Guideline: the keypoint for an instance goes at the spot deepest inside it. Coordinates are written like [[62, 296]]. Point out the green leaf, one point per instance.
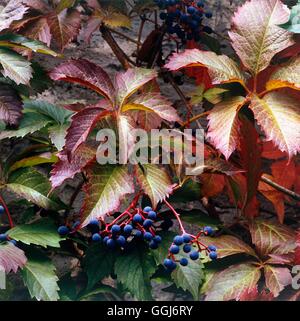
[[100, 290], [67, 287], [199, 218], [57, 135], [189, 191], [33, 186], [30, 123], [39, 276], [189, 277], [134, 270], [56, 113], [15, 66], [98, 264], [214, 95], [197, 95], [162, 252], [12, 40], [42, 232], [33, 161]]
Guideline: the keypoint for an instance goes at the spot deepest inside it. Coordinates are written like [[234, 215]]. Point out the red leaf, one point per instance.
[[82, 124], [254, 295], [64, 26], [64, 168], [213, 184], [285, 175], [271, 152], [87, 74], [250, 149], [262, 79], [200, 74], [11, 258]]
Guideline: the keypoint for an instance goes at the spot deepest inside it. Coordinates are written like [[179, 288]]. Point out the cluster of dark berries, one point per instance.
[[137, 224], [190, 245], [184, 18]]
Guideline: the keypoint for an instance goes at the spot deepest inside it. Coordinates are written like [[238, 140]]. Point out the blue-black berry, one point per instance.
[[115, 229], [178, 240], [184, 261], [194, 255], [147, 209], [94, 222], [1, 209], [152, 215], [138, 234], [63, 230], [174, 249], [137, 218], [106, 238], [213, 255], [191, 10], [212, 248], [96, 237], [147, 223], [157, 239], [128, 229], [208, 230], [121, 240], [3, 237], [148, 236], [187, 248], [111, 243], [186, 238]]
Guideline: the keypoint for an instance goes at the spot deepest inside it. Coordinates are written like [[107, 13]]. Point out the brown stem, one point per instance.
[[280, 188], [117, 50], [124, 36]]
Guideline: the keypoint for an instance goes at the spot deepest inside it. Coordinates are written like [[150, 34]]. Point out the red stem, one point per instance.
[[11, 223], [176, 215]]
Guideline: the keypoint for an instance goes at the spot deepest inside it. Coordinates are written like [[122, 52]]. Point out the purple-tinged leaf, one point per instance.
[[64, 168], [87, 74], [10, 105], [11, 258], [107, 185]]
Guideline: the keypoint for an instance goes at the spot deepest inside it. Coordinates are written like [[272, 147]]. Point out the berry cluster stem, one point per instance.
[[177, 215]]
